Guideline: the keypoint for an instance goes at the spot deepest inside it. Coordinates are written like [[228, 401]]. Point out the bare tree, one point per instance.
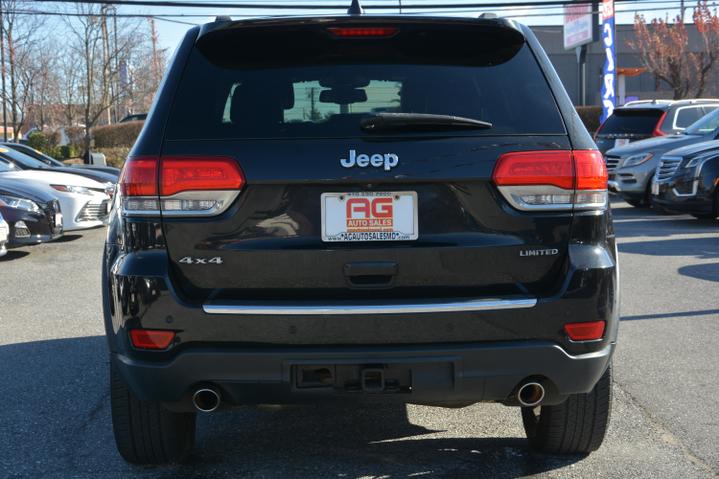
[[665, 51], [98, 59], [20, 38], [68, 95], [45, 90]]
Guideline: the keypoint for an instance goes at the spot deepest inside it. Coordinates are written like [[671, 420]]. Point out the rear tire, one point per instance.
[[577, 426], [635, 203], [715, 210], [146, 432]]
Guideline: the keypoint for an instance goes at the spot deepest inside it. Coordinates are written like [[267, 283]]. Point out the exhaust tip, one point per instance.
[[206, 400], [530, 394]]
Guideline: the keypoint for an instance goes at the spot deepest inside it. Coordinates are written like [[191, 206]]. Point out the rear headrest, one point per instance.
[[265, 100]]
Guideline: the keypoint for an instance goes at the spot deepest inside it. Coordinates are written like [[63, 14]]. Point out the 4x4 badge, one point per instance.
[[386, 160], [191, 260]]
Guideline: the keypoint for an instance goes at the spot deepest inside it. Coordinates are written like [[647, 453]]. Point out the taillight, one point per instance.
[[552, 179], [362, 32], [199, 174], [587, 331], [180, 186], [139, 177], [657, 129], [535, 168], [151, 338]]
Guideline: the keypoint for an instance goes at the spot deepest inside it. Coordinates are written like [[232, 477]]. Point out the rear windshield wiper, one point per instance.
[[420, 122]]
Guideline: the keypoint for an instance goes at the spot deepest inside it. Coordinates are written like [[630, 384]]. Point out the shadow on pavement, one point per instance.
[[679, 314], [58, 422], [67, 238], [703, 248], [708, 272], [13, 255]]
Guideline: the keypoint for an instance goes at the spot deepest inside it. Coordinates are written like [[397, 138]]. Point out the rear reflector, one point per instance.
[[552, 179], [354, 32], [590, 331], [151, 338]]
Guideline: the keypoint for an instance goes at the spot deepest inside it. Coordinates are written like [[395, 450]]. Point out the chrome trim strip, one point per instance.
[[695, 189], [256, 308]]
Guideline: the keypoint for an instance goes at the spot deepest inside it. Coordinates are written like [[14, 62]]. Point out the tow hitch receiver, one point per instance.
[[373, 380], [353, 378]]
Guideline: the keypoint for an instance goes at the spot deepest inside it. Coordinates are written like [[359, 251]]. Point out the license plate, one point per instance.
[[621, 142], [58, 219], [369, 216], [655, 188]]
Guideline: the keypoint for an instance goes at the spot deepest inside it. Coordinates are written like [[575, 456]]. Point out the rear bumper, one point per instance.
[[442, 375], [468, 349]]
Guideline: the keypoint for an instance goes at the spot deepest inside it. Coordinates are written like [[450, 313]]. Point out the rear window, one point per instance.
[[707, 124], [221, 99], [632, 122], [687, 115]]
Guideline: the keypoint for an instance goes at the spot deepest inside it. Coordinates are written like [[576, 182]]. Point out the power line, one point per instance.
[[629, 6], [275, 6]]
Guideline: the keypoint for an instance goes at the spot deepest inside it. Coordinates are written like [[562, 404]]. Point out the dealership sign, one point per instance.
[[578, 28], [609, 71]]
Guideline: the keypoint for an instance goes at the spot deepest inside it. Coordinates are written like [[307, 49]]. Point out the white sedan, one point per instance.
[[4, 233], [85, 203]]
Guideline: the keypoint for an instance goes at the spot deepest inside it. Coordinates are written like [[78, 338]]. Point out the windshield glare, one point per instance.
[[22, 159], [704, 125], [6, 166]]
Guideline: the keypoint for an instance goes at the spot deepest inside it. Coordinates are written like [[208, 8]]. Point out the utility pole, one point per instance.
[[682, 9], [155, 59], [118, 91], [105, 61], [2, 71]]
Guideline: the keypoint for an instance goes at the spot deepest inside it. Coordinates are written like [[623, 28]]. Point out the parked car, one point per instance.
[[687, 180], [134, 117], [435, 231], [84, 202], [33, 213], [4, 235], [631, 168], [25, 162], [50, 161], [638, 120]]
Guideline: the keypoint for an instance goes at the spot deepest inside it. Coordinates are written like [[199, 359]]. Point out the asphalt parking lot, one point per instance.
[[55, 419]]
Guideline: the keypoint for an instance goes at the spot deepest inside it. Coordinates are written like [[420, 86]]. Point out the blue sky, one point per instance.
[[171, 33]]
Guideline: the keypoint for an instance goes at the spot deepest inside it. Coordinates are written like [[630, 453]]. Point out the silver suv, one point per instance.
[[641, 119], [631, 167]]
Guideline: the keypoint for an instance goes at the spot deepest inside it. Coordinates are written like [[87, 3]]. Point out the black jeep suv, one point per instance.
[[341, 208]]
